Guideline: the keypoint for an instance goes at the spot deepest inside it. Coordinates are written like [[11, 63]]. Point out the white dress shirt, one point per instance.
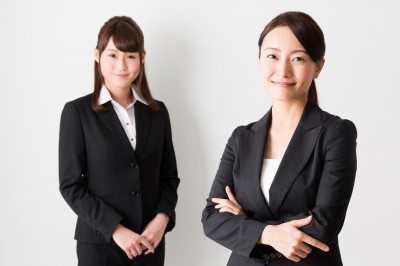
[[268, 172], [126, 115]]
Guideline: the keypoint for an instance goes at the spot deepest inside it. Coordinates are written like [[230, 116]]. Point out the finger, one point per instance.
[[147, 244], [138, 249], [305, 248], [315, 243], [220, 205], [155, 244], [227, 209], [302, 222], [301, 254], [294, 258], [227, 204], [231, 197], [218, 200], [134, 253], [129, 254]]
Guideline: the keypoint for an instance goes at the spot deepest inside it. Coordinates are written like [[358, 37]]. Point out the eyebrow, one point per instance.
[[113, 50], [294, 51]]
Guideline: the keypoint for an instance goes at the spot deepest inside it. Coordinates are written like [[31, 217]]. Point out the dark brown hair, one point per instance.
[[127, 37], [307, 32]]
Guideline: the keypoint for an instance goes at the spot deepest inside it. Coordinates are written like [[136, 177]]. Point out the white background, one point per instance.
[[202, 62]]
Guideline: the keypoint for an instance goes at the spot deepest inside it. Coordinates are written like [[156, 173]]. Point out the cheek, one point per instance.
[[265, 70], [105, 66], [135, 67], [305, 74]]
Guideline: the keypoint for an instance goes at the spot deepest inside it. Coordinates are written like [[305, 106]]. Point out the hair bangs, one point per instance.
[[126, 38]]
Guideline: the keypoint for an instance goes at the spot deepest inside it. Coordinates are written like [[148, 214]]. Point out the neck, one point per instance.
[[286, 114], [122, 96]]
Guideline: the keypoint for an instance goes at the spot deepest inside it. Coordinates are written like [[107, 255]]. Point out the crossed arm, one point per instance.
[[285, 238]]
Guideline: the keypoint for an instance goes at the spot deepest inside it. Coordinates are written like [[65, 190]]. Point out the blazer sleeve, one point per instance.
[[237, 233], [168, 175], [73, 183], [336, 184]]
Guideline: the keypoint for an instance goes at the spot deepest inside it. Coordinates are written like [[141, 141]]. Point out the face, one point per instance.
[[286, 68], [119, 69]]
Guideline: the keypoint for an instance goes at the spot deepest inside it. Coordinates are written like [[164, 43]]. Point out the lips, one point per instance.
[[121, 75], [283, 83]]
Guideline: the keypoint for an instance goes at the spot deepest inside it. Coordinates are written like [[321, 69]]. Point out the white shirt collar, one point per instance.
[[105, 96]]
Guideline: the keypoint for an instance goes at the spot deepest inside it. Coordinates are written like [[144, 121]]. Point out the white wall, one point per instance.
[[202, 62]]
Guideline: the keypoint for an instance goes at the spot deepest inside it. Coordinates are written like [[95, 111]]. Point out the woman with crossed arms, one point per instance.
[[284, 183]]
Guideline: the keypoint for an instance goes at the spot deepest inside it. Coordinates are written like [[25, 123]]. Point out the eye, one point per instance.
[[298, 59], [112, 55], [131, 57], [271, 56]]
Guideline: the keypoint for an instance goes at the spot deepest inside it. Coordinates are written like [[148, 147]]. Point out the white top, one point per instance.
[[268, 172], [126, 116]]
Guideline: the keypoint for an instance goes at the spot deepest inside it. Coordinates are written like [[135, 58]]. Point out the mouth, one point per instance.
[[283, 83], [121, 75]]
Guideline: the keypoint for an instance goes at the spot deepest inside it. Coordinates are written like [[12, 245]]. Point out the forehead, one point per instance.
[[281, 38], [110, 44]]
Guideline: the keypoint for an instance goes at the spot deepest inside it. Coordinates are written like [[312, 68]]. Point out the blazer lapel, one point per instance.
[[296, 155], [251, 159], [143, 119], [111, 121]]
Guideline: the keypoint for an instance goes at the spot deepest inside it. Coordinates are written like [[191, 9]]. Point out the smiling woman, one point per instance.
[[284, 182], [119, 70], [123, 191], [285, 66]]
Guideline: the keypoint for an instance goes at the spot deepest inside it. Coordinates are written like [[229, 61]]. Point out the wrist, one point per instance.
[[265, 237], [117, 230], [163, 217]]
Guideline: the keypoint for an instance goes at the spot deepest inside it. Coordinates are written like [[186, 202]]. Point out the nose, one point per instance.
[[284, 68], [121, 64]]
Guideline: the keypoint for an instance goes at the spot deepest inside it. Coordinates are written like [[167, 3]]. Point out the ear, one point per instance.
[[143, 57], [96, 55], [319, 67]]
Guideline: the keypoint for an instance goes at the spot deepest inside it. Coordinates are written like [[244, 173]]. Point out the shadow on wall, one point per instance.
[[173, 84]]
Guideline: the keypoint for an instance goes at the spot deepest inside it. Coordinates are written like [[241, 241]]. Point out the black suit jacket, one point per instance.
[[104, 180], [316, 176]]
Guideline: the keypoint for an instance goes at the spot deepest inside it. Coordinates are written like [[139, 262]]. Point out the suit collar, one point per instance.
[[105, 96], [297, 153], [310, 118]]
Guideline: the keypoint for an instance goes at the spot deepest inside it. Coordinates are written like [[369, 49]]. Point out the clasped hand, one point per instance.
[[134, 244], [286, 238]]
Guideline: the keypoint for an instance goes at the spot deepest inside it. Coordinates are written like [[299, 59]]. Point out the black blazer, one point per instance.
[[316, 176], [104, 180]]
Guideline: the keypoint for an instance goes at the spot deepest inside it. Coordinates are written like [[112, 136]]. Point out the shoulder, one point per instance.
[[161, 106], [81, 102], [337, 132], [333, 123], [78, 107]]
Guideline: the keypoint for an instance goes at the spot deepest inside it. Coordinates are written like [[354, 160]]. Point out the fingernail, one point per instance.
[[326, 248]]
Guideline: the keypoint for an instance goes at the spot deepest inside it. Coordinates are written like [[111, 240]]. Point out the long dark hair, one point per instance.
[[307, 32], [127, 37]]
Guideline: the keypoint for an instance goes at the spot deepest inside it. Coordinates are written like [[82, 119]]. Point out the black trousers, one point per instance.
[[112, 255]]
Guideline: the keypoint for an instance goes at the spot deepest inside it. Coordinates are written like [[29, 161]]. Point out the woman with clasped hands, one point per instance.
[[284, 182], [117, 163]]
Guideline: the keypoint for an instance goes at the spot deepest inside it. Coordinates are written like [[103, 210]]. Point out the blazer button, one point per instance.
[[133, 165], [265, 256], [136, 194], [279, 255]]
